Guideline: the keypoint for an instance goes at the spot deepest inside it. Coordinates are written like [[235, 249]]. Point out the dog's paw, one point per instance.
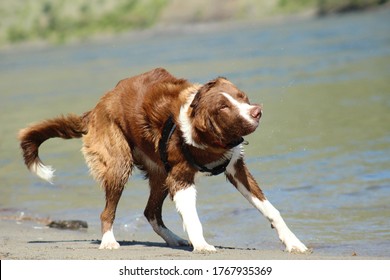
[[108, 241], [179, 243], [204, 248], [292, 243], [297, 247], [183, 242], [109, 246], [306, 251]]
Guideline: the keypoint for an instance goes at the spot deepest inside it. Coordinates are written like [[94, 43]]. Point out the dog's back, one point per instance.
[[136, 110]]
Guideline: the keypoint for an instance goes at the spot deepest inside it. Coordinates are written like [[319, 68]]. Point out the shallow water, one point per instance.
[[321, 154]]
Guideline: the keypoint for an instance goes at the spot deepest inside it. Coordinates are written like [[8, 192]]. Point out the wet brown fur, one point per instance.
[[124, 130]]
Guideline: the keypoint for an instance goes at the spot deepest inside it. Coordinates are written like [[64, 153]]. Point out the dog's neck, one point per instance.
[[214, 166], [184, 120]]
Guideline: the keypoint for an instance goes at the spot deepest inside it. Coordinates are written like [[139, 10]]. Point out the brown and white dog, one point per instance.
[[172, 130]]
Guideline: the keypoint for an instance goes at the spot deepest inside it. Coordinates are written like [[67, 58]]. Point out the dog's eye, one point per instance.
[[223, 107]]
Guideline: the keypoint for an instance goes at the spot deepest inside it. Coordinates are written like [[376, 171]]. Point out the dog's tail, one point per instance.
[[66, 127]]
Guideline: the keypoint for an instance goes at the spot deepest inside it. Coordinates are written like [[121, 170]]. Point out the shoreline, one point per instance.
[[27, 240], [53, 23], [185, 28], [160, 29]]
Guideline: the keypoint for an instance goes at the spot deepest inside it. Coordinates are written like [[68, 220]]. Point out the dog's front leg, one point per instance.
[[184, 196], [240, 177]]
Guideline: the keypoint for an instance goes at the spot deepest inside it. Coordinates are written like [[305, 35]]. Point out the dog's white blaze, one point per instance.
[[108, 241], [42, 171], [172, 239], [243, 108], [185, 123], [185, 201], [288, 238]]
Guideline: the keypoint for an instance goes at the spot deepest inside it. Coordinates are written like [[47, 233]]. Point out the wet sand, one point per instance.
[[31, 241]]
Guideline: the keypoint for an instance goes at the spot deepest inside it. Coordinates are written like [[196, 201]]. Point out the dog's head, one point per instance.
[[221, 114]]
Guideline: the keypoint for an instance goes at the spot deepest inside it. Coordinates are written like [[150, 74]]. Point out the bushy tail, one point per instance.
[[66, 127]]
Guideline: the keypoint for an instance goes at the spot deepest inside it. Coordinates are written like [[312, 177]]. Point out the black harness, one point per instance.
[[168, 129]]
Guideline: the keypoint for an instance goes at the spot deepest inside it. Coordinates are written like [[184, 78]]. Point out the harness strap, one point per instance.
[[213, 171], [168, 129]]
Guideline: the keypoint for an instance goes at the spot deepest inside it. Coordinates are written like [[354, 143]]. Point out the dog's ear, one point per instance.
[[195, 103], [208, 86], [203, 90]]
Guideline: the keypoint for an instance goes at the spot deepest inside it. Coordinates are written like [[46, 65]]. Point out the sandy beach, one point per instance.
[[28, 240], [326, 172]]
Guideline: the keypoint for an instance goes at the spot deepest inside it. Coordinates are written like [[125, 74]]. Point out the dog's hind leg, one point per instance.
[[107, 217], [110, 160], [153, 211]]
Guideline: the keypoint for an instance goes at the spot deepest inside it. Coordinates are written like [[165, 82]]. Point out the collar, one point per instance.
[[202, 168], [232, 144], [168, 129]]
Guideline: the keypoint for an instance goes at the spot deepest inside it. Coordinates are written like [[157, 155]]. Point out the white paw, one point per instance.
[[299, 248], [295, 246], [109, 246], [204, 248], [292, 243], [108, 241]]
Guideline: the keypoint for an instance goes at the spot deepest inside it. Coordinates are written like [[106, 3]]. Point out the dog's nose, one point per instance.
[[256, 112]]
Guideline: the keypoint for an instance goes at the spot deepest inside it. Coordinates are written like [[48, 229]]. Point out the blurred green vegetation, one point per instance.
[[58, 21]]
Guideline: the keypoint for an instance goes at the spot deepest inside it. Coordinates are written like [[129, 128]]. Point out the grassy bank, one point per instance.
[[58, 21], [61, 20]]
